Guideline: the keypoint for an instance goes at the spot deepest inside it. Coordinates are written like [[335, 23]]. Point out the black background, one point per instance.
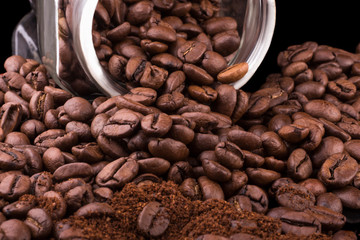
[[334, 23]]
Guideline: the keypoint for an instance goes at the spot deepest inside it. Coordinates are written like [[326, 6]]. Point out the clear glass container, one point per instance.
[[64, 35]]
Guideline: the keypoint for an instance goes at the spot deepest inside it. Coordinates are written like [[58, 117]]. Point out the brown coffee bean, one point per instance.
[[323, 109], [146, 96], [261, 177], [293, 133], [15, 229], [245, 140], [210, 189], [226, 42], [191, 52], [300, 223], [122, 124], [338, 170], [11, 159], [213, 62], [153, 220], [233, 73], [274, 145], [258, 198], [20, 208], [117, 173], [157, 166], [215, 171], [56, 138], [40, 183], [230, 155], [168, 149], [14, 186], [294, 196], [73, 170], [299, 165], [170, 102], [197, 75], [39, 222], [226, 100], [79, 109]]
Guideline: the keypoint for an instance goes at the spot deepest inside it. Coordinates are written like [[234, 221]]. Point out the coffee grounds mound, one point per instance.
[[188, 219]]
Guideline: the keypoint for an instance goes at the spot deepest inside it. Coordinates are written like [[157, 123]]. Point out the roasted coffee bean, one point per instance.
[[153, 220], [343, 234], [329, 200], [94, 209], [32, 128], [229, 155], [330, 220], [203, 94], [328, 146], [241, 202], [157, 166], [261, 177], [179, 171], [338, 170], [233, 73], [53, 159], [167, 61], [14, 229], [175, 82], [79, 109], [39, 222], [78, 196], [245, 140], [311, 89], [293, 133], [191, 188], [313, 185], [168, 149], [112, 148], [226, 42], [191, 51], [210, 189], [156, 125], [117, 173], [258, 198], [300, 223], [55, 203], [56, 138], [11, 115], [73, 170], [20, 208], [197, 75], [252, 159], [181, 133], [274, 145], [146, 96], [122, 124], [294, 196], [82, 130], [215, 171], [40, 183], [40, 103], [87, 152], [10, 159], [14, 186], [299, 165]]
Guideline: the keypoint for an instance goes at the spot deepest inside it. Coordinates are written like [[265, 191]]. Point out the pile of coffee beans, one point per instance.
[[156, 44], [150, 166], [182, 155]]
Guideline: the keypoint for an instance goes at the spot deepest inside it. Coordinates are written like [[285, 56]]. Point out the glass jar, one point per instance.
[[65, 45]]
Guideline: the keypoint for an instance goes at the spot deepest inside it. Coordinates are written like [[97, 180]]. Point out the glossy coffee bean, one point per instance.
[[153, 220]]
